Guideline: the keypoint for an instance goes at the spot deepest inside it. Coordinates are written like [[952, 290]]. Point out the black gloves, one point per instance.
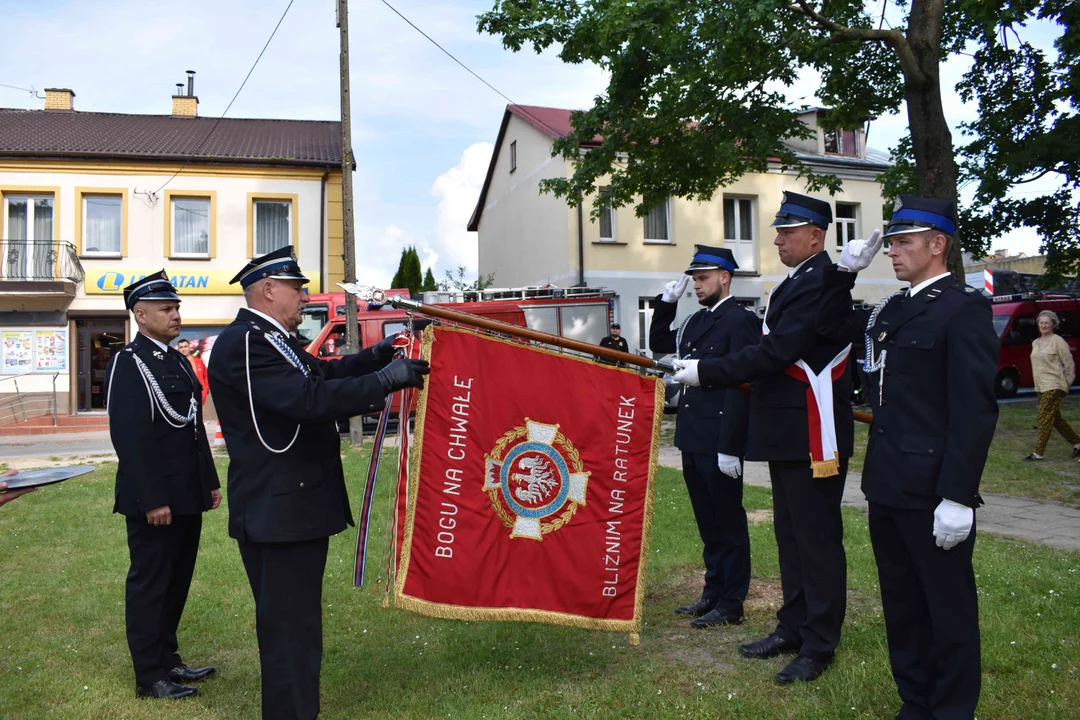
[[384, 349], [403, 373]]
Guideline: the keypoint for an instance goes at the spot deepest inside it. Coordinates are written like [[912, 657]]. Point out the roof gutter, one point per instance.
[[581, 243], [215, 160]]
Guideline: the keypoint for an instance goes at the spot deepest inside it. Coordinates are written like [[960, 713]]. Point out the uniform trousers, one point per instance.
[[813, 566], [286, 580], [162, 563], [931, 614], [717, 502]]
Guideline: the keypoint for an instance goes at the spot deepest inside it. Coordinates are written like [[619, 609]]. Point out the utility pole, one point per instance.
[[352, 330]]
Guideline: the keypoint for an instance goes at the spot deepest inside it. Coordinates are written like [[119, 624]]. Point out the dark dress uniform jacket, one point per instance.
[[158, 464], [931, 435], [779, 429], [710, 420], [298, 494]]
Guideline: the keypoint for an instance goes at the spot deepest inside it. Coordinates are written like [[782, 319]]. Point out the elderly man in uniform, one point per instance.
[[933, 356], [278, 408], [710, 429], [165, 480], [801, 423]]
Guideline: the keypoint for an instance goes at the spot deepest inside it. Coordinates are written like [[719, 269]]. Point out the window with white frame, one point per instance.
[[607, 216], [273, 225], [102, 224], [847, 223], [644, 323], [739, 231], [190, 227], [657, 227], [842, 142]]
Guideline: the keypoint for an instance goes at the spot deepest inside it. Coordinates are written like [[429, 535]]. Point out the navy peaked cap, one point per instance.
[[916, 214], [712, 258], [280, 264], [152, 287], [796, 209]]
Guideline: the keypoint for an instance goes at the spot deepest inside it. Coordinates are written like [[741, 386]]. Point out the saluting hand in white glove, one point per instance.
[[952, 523], [686, 372], [729, 465], [858, 254], [674, 289]]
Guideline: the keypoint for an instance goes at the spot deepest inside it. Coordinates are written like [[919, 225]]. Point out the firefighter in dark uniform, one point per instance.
[[933, 355], [710, 429], [278, 408], [614, 340], [807, 444], [165, 480]]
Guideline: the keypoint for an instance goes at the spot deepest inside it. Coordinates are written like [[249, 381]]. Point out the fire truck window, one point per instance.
[[544, 319], [334, 344], [1070, 325], [587, 323], [1000, 323], [315, 319], [392, 328], [1026, 328]]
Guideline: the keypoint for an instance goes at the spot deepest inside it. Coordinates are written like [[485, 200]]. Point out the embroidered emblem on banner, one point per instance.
[[535, 480]]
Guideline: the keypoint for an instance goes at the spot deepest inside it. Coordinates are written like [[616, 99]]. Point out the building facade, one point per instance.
[[90, 202], [526, 237]]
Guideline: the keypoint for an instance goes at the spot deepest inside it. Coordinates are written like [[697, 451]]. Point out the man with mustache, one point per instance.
[[165, 480], [279, 408]]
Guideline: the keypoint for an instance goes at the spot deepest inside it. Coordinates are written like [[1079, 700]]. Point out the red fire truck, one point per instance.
[[1015, 322]]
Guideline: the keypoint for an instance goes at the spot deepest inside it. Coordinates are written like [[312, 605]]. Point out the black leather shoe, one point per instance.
[[165, 689], [185, 674], [802, 668], [1075, 452], [701, 607], [717, 616], [769, 647]]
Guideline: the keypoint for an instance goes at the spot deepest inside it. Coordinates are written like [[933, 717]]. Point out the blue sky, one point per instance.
[[422, 126]]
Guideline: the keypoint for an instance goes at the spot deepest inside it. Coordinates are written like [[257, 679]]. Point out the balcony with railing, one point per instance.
[[39, 267]]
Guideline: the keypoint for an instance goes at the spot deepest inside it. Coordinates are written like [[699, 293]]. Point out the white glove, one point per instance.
[[729, 465], [686, 373], [858, 254], [952, 523], [674, 289]]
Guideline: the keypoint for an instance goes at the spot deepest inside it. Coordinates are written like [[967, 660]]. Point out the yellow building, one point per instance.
[[526, 237], [90, 202]]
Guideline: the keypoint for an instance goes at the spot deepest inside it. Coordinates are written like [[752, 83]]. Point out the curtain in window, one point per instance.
[[271, 226], [43, 250], [191, 226], [101, 229], [656, 222], [729, 219], [605, 214], [14, 259]]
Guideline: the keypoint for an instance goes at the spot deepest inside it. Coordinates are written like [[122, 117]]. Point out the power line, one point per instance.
[[469, 70], [227, 107]]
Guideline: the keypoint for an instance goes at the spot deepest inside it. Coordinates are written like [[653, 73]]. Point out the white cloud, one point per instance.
[[457, 191], [378, 251]]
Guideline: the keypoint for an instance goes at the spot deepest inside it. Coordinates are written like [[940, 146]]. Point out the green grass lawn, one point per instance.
[[63, 558], [1055, 478]]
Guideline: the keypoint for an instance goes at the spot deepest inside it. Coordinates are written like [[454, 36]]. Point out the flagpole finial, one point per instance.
[[364, 292]]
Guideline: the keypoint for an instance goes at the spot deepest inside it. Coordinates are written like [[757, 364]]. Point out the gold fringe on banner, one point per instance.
[[825, 468], [462, 612]]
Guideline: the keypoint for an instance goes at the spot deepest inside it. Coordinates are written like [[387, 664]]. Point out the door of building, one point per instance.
[[98, 340]]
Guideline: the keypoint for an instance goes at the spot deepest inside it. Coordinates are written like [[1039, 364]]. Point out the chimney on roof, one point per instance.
[[1002, 252], [186, 105], [59, 99]]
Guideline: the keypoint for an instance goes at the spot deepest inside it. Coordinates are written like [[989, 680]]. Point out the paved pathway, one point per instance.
[[1050, 523]]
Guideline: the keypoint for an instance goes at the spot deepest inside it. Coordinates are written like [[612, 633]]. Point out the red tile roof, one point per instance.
[[52, 134]]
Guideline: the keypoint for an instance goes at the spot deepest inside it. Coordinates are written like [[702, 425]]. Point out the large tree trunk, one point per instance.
[[931, 140]]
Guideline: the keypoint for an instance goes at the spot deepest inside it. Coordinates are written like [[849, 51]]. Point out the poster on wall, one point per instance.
[[18, 351], [51, 350]]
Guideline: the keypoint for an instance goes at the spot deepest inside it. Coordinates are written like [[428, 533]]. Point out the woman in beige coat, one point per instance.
[[1053, 369]]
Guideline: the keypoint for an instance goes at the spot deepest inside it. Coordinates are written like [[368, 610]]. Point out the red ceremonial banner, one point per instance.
[[530, 492]]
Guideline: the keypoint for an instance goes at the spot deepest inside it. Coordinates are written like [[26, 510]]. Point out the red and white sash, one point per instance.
[[824, 450]]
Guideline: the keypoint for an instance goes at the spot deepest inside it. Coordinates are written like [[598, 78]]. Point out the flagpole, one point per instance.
[[556, 340]]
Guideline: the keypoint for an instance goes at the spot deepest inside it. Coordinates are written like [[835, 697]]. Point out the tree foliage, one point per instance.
[[698, 97], [409, 275], [429, 282], [457, 282]]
